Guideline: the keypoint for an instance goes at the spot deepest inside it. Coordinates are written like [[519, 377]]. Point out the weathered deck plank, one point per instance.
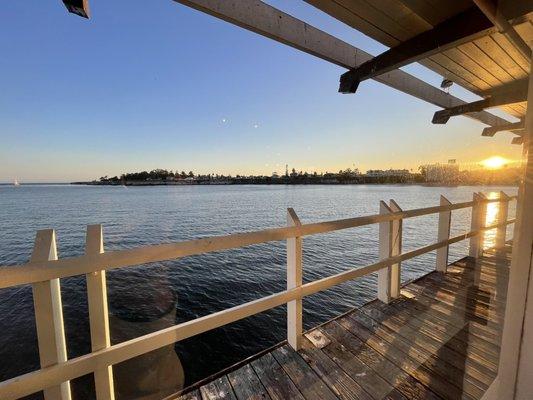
[[247, 385], [217, 390], [305, 379], [274, 379], [439, 340]]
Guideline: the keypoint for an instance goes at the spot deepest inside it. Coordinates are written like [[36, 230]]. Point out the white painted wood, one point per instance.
[[385, 251], [482, 222], [396, 249], [475, 225], [65, 267], [29, 383], [294, 280], [263, 19], [98, 314], [503, 213], [445, 219], [49, 316], [516, 350]]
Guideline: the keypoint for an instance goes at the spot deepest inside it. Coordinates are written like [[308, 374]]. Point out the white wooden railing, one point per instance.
[[44, 271]]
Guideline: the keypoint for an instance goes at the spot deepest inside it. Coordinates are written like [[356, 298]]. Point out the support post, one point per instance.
[[445, 219], [482, 221], [396, 249], [475, 225], [49, 315], [98, 313], [385, 250], [294, 279], [503, 211], [514, 372]]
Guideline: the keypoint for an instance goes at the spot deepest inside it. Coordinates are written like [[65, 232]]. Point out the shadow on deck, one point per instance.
[[439, 340]]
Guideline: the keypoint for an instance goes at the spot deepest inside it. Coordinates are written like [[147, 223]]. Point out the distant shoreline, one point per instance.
[[214, 183]]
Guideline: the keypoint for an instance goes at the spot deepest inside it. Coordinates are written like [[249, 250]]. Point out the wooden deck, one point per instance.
[[439, 340]]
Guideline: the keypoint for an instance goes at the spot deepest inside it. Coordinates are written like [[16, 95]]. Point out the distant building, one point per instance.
[[389, 173], [446, 173]]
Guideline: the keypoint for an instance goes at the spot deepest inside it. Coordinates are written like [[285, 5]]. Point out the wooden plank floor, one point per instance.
[[439, 340]]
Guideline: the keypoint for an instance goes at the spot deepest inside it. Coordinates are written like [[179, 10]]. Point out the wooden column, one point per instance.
[[294, 279], [445, 219], [98, 313], [385, 250], [503, 212], [482, 221], [49, 315], [516, 355], [396, 249]]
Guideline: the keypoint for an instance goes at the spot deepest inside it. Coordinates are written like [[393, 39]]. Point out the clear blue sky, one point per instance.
[[149, 84]]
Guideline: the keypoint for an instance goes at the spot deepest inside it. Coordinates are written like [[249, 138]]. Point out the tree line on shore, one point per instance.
[[163, 176], [425, 174]]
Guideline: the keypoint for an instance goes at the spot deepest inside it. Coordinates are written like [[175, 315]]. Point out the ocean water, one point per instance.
[[146, 298]]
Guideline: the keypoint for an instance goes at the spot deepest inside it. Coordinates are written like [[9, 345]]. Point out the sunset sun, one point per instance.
[[494, 162]]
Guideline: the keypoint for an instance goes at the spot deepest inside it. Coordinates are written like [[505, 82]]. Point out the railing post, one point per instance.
[[482, 220], [294, 279], [475, 225], [385, 250], [49, 315], [98, 313], [396, 249], [503, 212], [445, 219]]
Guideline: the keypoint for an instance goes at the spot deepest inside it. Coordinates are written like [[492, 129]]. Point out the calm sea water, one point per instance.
[[146, 298]]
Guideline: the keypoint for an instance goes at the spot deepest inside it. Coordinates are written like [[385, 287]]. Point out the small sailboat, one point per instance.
[[16, 182]]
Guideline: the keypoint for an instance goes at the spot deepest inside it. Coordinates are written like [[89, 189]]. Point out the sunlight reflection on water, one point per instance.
[[489, 238]]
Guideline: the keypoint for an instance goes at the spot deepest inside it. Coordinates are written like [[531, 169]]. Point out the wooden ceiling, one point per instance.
[[480, 66]]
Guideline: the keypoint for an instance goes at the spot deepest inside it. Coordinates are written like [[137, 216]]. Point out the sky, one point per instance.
[[145, 85]]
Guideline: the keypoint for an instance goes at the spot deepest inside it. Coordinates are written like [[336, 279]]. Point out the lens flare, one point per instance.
[[494, 162]]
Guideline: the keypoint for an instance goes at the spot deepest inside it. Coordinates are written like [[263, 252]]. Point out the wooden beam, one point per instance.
[[492, 130], [78, 7], [265, 20], [514, 92], [461, 28]]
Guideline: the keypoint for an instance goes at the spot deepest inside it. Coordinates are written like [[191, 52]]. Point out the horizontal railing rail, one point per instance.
[[93, 265], [71, 266]]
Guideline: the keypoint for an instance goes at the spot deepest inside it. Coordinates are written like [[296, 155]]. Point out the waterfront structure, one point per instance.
[[489, 298], [389, 173]]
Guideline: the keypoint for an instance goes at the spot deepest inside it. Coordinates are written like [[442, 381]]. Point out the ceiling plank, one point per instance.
[[462, 28]]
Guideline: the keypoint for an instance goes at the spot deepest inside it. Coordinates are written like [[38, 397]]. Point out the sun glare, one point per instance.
[[494, 162]]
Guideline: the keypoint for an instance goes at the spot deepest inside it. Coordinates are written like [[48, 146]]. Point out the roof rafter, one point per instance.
[[512, 127], [263, 19], [511, 93], [78, 7]]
